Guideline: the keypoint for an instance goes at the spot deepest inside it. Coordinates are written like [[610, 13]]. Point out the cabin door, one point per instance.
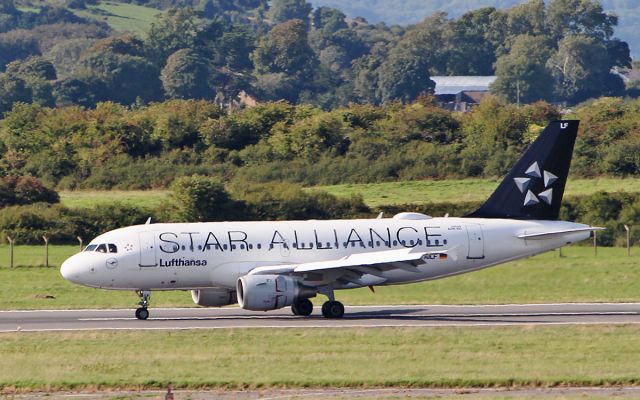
[[148, 249], [476, 241]]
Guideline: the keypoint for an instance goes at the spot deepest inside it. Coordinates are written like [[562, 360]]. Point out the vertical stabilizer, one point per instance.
[[534, 187]]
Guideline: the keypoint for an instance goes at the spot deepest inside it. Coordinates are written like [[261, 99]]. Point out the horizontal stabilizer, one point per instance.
[[545, 235]]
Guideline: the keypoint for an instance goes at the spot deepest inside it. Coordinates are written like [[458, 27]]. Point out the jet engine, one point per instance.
[[270, 292], [217, 297]]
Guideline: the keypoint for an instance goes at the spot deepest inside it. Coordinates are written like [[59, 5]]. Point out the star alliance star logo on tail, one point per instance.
[[523, 184]]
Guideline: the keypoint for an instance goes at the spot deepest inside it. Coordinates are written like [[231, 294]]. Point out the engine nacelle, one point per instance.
[[270, 292], [214, 297]]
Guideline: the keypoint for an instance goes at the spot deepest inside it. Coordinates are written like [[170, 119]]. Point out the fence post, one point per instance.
[[46, 251], [10, 251], [80, 241], [595, 242], [628, 229]]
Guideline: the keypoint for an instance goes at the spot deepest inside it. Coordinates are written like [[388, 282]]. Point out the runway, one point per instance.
[[355, 316]]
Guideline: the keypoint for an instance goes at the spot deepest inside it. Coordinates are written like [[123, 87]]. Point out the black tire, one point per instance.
[[332, 309], [142, 313], [304, 307], [294, 309]]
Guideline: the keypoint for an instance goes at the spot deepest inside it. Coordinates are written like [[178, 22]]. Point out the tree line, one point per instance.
[[115, 147], [564, 51]]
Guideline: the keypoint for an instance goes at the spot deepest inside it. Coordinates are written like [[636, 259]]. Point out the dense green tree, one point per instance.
[[85, 92], [33, 67], [16, 45], [285, 10], [405, 74], [65, 55], [127, 77], [173, 30], [527, 19], [472, 40], [37, 74], [240, 129], [522, 75], [185, 76], [235, 48], [283, 59], [285, 49], [581, 68], [12, 90], [579, 17], [201, 199], [366, 78], [25, 189]]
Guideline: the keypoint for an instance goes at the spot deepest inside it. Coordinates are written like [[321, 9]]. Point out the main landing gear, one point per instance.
[[330, 309], [302, 307], [142, 312]]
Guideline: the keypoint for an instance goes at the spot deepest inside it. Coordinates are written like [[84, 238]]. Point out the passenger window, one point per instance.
[[112, 248], [91, 247], [102, 248]]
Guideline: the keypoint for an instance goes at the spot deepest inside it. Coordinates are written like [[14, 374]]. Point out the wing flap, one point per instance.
[[544, 235]]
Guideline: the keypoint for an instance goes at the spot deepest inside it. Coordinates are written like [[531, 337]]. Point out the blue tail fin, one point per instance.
[[534, 187]]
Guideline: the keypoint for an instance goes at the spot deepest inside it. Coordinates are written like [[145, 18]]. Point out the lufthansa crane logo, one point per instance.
[[523, 184]]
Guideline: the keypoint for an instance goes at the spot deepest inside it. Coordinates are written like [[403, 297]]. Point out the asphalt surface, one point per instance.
[[355, 316], [349, 393]]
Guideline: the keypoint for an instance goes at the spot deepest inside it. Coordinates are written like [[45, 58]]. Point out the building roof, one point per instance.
[[457, 84]]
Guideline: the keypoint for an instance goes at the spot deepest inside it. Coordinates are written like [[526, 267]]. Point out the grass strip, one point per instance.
[[579, 276], [384, 357], [462, 190], [374, 194], [149, 199]]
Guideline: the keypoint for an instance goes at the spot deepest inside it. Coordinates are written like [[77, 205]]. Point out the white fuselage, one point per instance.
[[184, 256]]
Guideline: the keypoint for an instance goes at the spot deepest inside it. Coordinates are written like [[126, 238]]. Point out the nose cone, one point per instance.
[[71, 269]]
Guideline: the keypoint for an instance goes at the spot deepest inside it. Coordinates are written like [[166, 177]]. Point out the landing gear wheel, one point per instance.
[[332, 309], [142, 313], [302, 307]]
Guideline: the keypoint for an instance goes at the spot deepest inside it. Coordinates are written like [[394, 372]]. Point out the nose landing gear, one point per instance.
[[142, 313]]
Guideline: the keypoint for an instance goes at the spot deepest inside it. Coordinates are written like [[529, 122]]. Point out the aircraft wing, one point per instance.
[[353, 268]]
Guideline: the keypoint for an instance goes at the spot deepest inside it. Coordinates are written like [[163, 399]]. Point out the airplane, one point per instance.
[[268, 265]]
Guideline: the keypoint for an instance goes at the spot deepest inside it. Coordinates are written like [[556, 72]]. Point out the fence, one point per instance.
[[45, 255]]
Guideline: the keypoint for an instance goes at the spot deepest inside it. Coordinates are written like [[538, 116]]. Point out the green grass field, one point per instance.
[[374, 194], [92, 198], [122, 17], [578, 276], [258, 358], [433, 191]]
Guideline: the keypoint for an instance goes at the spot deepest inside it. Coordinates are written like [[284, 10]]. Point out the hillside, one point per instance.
[[406, 12]]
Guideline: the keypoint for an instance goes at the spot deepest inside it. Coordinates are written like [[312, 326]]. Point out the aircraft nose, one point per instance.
[[70, 269]]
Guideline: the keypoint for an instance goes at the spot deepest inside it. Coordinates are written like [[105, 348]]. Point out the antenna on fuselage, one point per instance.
[[148, 221], [381, 215]]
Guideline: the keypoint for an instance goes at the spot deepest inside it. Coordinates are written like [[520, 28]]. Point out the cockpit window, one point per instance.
[[112, 248], [91, 247], [102, 248]]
